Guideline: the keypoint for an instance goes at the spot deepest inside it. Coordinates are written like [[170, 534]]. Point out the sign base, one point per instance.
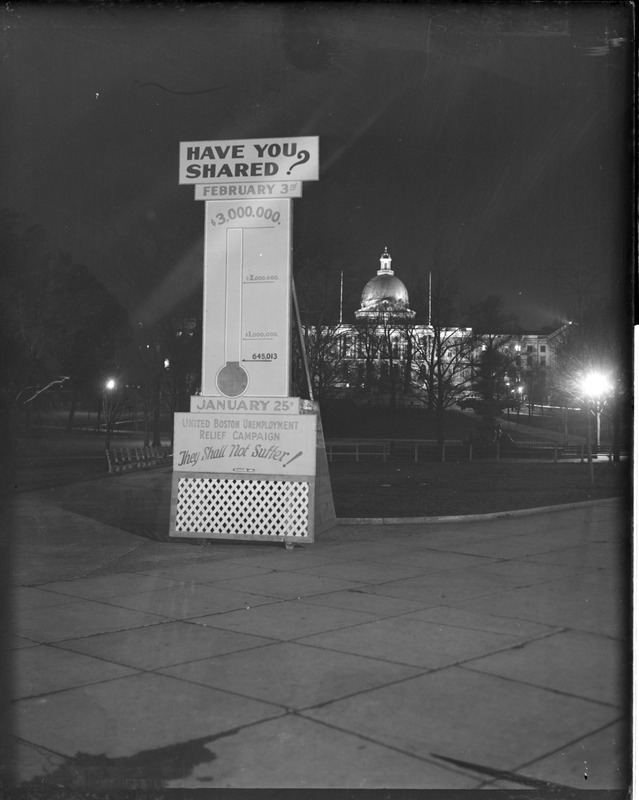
[[259, 507], [208, 501]]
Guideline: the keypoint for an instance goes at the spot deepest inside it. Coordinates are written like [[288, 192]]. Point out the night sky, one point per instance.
[[490, 141]]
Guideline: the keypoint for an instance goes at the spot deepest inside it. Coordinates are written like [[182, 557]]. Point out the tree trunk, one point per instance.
[[156, 414], [72, 409], [439, 411], [392, 382], [408, 374], [616, 430], [147, 429], [430, 401]]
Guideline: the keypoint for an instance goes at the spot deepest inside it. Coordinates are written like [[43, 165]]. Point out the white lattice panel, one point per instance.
[[218, 507]]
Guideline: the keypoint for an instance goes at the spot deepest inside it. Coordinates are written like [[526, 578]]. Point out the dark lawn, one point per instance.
[[396, 489]]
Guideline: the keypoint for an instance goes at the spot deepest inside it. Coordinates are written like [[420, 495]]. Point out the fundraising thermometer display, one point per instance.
[[232, 379], [247, 298]]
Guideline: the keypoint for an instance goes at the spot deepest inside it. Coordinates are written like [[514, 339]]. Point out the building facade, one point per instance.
[[386, 356]]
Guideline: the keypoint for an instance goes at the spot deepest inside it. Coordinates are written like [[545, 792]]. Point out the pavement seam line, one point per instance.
[[468, 665], [563, 748], [499, 774], [377, 742]]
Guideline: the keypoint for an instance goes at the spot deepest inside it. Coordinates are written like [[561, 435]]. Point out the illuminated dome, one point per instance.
[[384, 293]]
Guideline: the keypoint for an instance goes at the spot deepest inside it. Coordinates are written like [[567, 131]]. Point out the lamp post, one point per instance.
[[594, 386], [520, 391], [109, 388]]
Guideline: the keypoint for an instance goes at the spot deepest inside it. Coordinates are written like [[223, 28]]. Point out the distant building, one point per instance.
[[385, 352]]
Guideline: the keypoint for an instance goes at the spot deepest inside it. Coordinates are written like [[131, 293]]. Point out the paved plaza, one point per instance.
[[490, 653]]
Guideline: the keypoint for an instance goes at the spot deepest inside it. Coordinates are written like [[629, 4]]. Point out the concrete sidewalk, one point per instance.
[[454, 655]]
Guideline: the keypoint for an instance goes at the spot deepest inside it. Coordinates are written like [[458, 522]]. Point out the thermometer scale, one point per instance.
[[232, 379], [246, 299]]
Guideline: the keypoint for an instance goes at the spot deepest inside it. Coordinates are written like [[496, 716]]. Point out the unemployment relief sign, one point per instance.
[[245, 444], [248, 458], [253, 160]]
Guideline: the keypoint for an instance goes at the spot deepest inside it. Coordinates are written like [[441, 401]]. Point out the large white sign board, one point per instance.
[[245, 444], [230, 161], [247, 291]]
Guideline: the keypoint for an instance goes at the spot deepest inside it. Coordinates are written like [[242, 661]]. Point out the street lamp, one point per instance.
[[594, 387], [520, 391], [109, 387]]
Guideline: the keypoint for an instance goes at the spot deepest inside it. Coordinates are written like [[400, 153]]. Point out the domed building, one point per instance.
[[384, 294], [386, 356]]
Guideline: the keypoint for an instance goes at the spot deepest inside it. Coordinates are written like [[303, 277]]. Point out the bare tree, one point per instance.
[[440, 351], [60, 324], [323, 339], [493, 359], [441, 366], [368, 344], [580, 281]]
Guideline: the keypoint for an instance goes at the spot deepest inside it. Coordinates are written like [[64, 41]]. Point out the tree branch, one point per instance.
[[57, 382]]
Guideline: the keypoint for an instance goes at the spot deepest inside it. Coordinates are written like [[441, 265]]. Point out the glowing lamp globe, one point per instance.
[[595, 384]]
